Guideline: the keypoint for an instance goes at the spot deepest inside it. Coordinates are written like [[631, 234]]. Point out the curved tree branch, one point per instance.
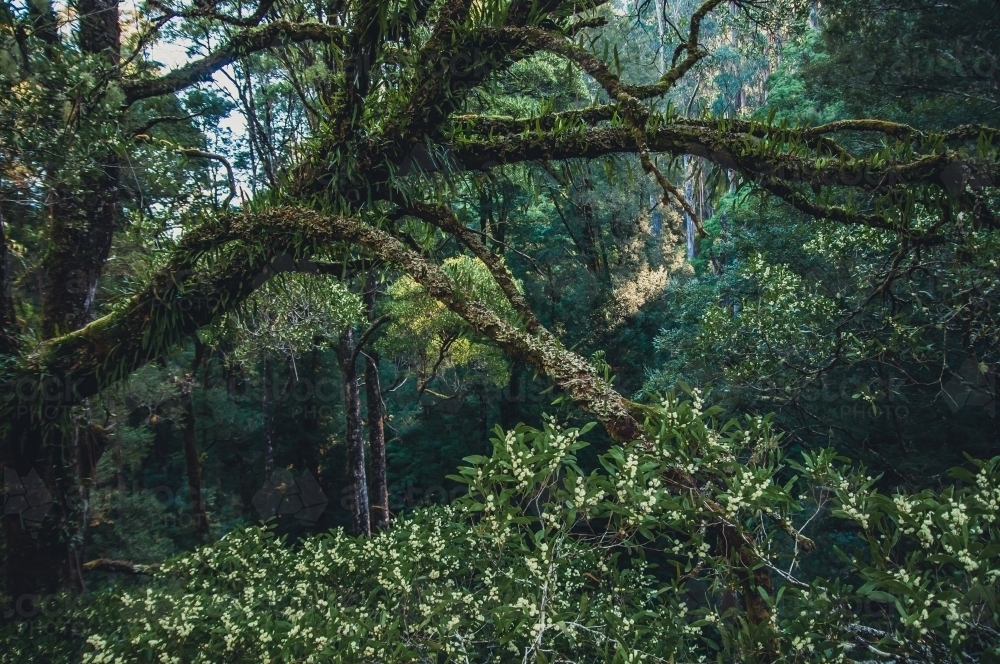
[[366, 335], [742, 152], [249, 41], [184, 297], [208, 11], [446, 220], [230, 177]]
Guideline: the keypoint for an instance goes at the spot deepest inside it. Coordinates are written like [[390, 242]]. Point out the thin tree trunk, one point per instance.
[[81, 496], [739, 98], [376, 422], [310, 418], [689, 229], [500, 230], [119, 481], [355, 443], [510, 406], [376, 442], [661, 33], [162, 436], [484, 421], [192, 460], [7, 321], [89, 443], [267, 404]]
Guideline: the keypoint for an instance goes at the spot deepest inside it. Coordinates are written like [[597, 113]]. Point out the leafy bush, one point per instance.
[[638, 561]]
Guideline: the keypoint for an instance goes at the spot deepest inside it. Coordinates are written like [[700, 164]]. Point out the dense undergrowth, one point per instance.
[[543, 562]]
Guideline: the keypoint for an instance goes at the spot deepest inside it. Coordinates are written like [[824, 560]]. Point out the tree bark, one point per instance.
[[42, 557], [355, 443], [376, 442], [192, 460], [689, 229], [510, 406], [376, 422], [8, 323], [484, 408], [39, 558], [83, 218], [267, 406]]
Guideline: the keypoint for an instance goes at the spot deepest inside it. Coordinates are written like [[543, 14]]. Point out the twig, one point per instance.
[[118, 566]]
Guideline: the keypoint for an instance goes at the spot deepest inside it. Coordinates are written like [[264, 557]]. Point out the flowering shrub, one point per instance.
[[655, 557]]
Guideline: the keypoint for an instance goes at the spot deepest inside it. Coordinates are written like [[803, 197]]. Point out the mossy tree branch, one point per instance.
[[248, 41], [186, 296]]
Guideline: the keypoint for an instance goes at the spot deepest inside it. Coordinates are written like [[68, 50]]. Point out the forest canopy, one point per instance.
[[440, 330]]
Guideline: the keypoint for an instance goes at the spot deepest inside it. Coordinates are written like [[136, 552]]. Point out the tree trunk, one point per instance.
[[267, 405], [162, 433], [376, 442], [192, 460], [36, 561], [44, 555], [355, 443], [689, 228], [376, 423], [49, 461], [661, 32], [484, 409], [82, 476], [8, 323], [82, 225], [592, 238], [509, 408]]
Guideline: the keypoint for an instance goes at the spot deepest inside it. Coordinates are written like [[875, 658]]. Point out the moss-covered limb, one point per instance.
[[892, 129], [451, 65], [801, 202], [210, 12], [445, 219], [817, 139], [577, 26], [761, 129], [243, 43], [184, 296], [570, 372], [555, 42], [898, 131], [753, 157], [187, 295], [972, 132], [491, 125], [118, 566]]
